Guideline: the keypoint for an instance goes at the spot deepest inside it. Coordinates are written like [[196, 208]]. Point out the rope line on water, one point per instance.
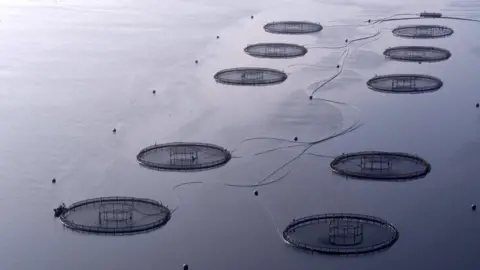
[[341, 46], [345, 53], [419, 17]]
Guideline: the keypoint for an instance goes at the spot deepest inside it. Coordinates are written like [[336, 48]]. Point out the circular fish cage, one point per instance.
[[275, 50], [292, 27], [341, 234], [250, 76], [379, 165], [115, 215], [422, 31], [404, 83], [181, 156], [417, 54]]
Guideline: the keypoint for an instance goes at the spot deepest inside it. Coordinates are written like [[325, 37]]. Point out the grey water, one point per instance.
[[72, 70]]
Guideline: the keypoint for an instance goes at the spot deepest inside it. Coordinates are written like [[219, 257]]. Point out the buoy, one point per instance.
[[154, 91], [255, 193], [346, 40], [369, 21], [54, 180], [57, 212], [251, 17], [295, 139], [338, 66], [196, 61], [311, 97], [218, 37], [474, 207], [478, 105], [114, 130], [185, 267]]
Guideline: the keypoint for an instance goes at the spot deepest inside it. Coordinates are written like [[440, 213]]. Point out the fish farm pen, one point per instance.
[[275, 50], [115, 215], [250, 76], [380, 165], [183, 156], [341, 234], [405, 83], [417, 54], [422, 31], [292, 27]]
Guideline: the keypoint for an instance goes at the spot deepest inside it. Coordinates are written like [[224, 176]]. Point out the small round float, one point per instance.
[[183, 156], [380, 165], [417, 53], [115, 215], [251, 76], [422, 31], [405, 83], [292, 27], [341, 234], [275, 50]]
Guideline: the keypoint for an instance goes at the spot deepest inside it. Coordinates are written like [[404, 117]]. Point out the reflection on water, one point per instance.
[[73, 70]]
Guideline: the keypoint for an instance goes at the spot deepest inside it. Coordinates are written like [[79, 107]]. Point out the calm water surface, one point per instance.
[[72, 70]]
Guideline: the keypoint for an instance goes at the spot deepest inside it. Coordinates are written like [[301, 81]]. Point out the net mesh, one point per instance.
[[380, 165], [183, 156], [341, 234], [108, 213], [275, 50], [115, 215], [405, 83], [422, 31], [417, 53], [250, 76], [292, 27], [345, 232]]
